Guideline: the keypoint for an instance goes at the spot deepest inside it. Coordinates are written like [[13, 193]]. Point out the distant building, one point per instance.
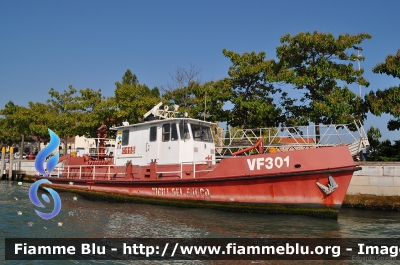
[[79, 144]]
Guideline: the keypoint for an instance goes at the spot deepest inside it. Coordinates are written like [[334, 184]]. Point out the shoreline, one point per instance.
[[372, 202]]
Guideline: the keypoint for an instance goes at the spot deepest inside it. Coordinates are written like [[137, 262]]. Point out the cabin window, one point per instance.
[[174, 132], [201, 133], [184, 130], [125, 137], [153, 133], [165, 132]]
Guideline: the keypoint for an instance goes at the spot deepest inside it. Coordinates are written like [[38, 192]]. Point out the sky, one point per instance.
[[90, 44]]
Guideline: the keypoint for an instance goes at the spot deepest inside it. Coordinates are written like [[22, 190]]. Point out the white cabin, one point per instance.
[[165, 141]]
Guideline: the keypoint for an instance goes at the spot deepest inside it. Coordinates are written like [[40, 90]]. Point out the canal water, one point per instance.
[[82, 218]]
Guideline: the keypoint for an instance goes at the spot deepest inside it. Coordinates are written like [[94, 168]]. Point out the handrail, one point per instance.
[[93, 173], [295, 137], [108, 173], [200, 162]]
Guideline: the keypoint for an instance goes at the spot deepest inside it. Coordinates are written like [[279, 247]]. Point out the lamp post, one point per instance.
[[358, 48]]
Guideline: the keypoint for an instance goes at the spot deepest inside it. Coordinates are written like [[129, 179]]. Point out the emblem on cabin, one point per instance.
[[128, 150]]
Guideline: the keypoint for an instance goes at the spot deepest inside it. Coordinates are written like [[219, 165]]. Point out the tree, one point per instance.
[[132, 100], [64, 105], [92, 110], [80, 113], [387, 151], [201, 101], [252, 95], [318, 64], [21, 122], [104, 112], [15, 123], [181, 90], [129, 78], [4, 139], [374, 134], [387, 101], [382, 151], [40, 116]]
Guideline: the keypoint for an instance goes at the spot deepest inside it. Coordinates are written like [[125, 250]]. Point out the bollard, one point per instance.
[[10, 166], [2, 164]]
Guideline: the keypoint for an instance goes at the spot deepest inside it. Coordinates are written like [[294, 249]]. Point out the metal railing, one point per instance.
[[76, 171], [293, 138], [194, 163], [69, 170]]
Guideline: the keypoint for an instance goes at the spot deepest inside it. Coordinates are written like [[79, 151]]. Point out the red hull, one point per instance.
[[279, 182]]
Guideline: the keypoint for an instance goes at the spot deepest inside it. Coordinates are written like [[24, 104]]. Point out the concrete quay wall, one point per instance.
[[24, 165], [376, 186], [28, 166], [381, 179]]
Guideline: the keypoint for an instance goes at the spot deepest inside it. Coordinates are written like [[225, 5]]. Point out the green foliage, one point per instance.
[[71, 112], [251, 95], [387, 101], [129, 78], [315, 63], [41, 115], [77, 113], [9, 124], [382, 151], [132, 100], [391, 66], [373, 134], [340, 106], [386, 151], [318, 65], [155, 92], [15, 123], [198, 99], [65, 106]]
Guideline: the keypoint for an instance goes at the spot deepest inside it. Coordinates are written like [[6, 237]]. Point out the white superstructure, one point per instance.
[[164, 139]]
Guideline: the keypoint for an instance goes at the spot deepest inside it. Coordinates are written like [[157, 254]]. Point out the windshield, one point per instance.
[[183, 130], [201, 133]]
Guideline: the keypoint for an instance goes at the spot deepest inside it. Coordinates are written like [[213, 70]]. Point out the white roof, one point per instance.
[[190, 120]]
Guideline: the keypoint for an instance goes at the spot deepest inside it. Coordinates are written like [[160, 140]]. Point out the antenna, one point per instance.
[[358, 48]]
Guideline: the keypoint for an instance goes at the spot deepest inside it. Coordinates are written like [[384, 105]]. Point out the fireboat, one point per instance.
[[173, 159]]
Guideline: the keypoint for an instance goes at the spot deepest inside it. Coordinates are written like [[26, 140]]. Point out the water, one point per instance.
[[97, 219]]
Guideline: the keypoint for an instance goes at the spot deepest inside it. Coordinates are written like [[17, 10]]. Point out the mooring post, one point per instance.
[[10, 166], [3, 154]]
